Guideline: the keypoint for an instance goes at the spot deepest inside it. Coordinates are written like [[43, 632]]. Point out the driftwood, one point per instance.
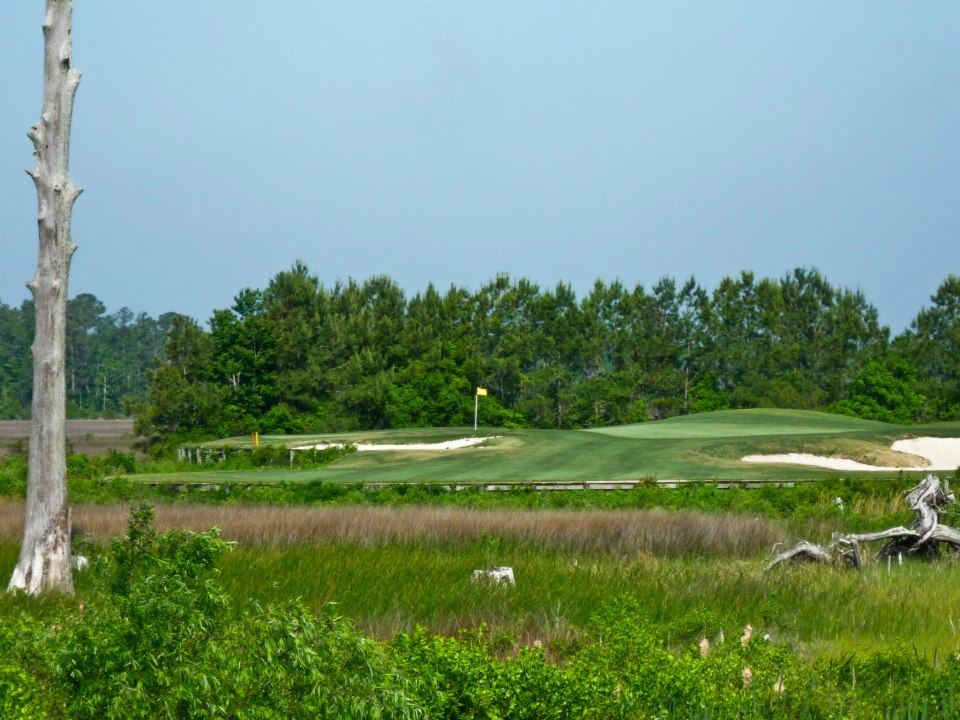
[[922, 539]]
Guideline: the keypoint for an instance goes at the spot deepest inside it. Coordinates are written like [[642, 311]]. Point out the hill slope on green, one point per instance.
[[744, 423]]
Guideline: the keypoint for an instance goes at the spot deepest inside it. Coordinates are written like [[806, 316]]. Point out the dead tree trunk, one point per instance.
[[922, 539], [45, 555]]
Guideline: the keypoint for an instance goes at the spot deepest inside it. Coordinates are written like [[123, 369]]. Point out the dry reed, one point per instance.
[[623, 532]]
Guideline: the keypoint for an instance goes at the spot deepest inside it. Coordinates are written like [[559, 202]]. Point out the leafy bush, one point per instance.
[[13, 476], [22, 669], [158, 639], [886, 389]]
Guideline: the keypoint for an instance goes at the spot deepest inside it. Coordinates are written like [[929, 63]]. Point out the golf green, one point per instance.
[[695, 447]]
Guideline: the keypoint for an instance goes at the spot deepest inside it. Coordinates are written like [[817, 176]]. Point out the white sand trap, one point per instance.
[[943, 453], [832, 463], [940, 453], [403, 447], [446, 445]]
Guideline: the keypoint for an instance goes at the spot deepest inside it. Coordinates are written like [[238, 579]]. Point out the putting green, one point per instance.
[[696, 447]]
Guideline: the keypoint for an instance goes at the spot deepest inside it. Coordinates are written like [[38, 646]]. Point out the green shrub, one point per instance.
[[23, 669], [159, 640], [13, 476]]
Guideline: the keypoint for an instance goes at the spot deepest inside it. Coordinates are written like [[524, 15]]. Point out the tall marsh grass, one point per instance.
[[817, 610], [618, 532]]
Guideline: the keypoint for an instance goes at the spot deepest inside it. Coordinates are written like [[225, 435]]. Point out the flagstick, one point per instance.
[[476, 406]]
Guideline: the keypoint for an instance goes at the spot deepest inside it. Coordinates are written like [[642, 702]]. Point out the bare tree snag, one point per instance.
[[45, 554], [922, 539]]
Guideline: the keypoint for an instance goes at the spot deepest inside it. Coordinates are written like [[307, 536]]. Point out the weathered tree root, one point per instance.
[[922, 539]]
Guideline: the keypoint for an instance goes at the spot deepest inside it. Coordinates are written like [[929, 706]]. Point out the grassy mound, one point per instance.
[[744, 423]]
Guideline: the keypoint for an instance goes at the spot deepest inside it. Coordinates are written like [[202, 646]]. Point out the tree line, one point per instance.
[[108, 356], [298, 356]]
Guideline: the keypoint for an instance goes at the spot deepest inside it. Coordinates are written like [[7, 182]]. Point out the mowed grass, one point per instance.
[[744, 423], [695, 447]]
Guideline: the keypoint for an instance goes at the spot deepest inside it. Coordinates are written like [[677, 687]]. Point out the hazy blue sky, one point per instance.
[[219, 141]]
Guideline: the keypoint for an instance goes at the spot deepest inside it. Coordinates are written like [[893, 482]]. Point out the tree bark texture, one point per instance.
[[45, 554]]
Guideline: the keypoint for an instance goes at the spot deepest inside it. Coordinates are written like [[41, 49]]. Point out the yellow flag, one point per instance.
[[481, 391]]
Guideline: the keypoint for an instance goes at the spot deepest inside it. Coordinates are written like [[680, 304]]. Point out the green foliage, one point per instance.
[[280, 456], [13, 476], [932, 343], [278, 420], [107, 357], [176, 404], [636, 674], [80, 465], [362, 355], [160, 612], [467, 680], [243, 358], [25, 658], [886, 389], [157, 639], [625, 669], [706, 396]]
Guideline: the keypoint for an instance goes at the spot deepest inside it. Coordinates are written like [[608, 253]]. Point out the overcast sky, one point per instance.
[[219, 141]]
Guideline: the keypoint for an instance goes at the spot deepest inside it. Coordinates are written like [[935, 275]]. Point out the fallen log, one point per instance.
[[922, 539]]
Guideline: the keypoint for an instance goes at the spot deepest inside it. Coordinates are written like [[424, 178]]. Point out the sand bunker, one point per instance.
[[833, 463], [402, 447], [940, 453]]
